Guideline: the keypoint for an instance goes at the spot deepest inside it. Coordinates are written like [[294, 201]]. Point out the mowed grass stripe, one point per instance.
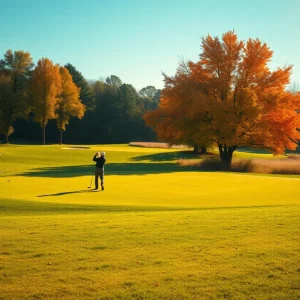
[[242, 253], [189, 189], [10, 207]]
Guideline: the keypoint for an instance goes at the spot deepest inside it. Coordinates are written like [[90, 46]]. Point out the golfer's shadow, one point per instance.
[[68, 193]]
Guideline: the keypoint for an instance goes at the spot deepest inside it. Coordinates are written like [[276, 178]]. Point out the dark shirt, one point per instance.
[[100, 161]]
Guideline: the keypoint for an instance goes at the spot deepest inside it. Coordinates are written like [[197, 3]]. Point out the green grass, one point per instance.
[[158, 231]]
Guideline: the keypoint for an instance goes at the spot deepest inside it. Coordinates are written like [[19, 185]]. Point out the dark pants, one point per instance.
[[99, 173]]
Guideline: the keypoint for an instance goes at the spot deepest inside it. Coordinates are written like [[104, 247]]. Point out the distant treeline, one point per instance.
[[114, 114], [36, 105]]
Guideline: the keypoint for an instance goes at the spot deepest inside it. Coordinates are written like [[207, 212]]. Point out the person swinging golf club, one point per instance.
[[99, 171]]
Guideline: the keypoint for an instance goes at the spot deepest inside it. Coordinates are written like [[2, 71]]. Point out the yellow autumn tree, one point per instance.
[[69, 103], [230, 98], [45, 91], [14, 78]]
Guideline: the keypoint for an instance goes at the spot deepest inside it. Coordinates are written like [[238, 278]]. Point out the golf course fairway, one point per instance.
[[157, 231]]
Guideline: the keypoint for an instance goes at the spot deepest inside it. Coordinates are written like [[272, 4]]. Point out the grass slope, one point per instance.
[[158, 231]]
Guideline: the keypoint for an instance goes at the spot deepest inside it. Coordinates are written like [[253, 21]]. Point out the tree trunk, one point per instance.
[[203, 150], [43, 134], [60, 139], [226, 155], [198, 150]]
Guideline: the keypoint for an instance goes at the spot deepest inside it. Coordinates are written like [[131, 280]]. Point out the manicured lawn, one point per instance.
[[158, 231]]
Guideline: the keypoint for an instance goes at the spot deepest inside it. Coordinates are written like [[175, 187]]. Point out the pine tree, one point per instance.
[[87, 96]]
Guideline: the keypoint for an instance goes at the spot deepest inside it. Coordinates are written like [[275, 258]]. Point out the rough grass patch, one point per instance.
[[211, 163], [157, 145], [288, 165], [275, 166], [294, 156]]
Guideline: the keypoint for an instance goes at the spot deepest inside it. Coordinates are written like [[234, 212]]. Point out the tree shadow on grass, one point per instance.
[[60, 171], [110, 169], [159, 163], [166, 156]]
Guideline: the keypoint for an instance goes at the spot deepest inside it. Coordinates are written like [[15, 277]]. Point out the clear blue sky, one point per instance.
[[138, 39]]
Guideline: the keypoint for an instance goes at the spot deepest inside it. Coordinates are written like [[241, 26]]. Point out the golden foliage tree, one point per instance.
[[45, 90], [14, 77], [69, 103], [229, 98]]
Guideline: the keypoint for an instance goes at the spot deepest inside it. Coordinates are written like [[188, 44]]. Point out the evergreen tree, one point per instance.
[[128, 113], [114, 81], [87, 95]]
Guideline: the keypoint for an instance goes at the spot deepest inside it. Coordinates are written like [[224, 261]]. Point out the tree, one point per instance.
[[148, 92], [125, 112], [294, 88], [118, 114], [45, 90], [149, 97], [87, 95], [69, 103], [105, 113], [15, 73], [5, 106], [114, 81], [230, 98]]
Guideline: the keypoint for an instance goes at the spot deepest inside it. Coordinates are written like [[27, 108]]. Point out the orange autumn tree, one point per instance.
[[69, 103], [229, 98], [174, 123], [45, 90]]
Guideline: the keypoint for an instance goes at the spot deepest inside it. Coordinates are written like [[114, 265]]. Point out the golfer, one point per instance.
[[99, 171]]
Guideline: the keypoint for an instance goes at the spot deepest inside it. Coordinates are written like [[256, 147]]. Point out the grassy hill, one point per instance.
[[158, 231]]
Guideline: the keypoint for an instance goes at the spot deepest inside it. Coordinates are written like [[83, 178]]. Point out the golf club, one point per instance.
[[91, 182]]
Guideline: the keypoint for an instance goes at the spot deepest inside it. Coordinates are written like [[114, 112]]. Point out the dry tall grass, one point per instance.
[[156, 145], [288, 165]]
